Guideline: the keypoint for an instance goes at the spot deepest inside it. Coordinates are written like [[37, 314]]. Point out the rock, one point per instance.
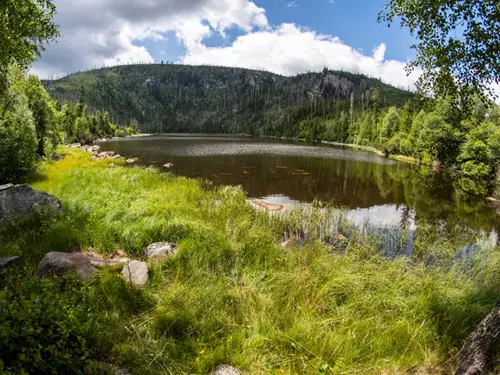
[[95, 158], [60, 264], [95, 148], [130, 161], [168, 165], [9, 262], [5, 187], [56, 157], [136, 273], [106, 154], [268, 206], [20, 201], [160, 250], [491, 199], [481, 347], [225, 370], [75, 145], [116, 157]]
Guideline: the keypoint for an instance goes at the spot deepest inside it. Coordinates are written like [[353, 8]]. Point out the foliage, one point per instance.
[[25, 25], [18, 141], [31, 126], [458, 44], [60, 326]]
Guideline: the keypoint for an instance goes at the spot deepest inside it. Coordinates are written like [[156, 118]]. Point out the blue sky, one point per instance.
[[353, 21], [284, 36]]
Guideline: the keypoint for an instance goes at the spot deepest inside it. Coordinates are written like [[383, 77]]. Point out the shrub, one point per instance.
[[18, 142], [61, 326]]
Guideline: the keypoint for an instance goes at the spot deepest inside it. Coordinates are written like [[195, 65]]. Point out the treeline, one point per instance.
[[32, 124], [435, 133]]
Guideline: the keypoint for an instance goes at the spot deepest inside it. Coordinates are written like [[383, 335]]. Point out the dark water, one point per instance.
[[372, 187]]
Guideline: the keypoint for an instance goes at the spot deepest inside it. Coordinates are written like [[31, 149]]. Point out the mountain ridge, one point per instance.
[[202, 98]]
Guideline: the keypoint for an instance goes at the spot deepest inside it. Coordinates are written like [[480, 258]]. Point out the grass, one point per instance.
[[337, 300]]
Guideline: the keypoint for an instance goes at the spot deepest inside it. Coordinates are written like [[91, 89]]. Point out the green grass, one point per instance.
[[234, 295]]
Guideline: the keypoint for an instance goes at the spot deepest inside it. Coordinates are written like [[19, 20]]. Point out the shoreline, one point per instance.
[[401, 158]]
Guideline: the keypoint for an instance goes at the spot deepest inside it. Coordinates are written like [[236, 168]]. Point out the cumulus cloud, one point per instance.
[[379, 52], [106, 32], [289, 49], [98, 32]]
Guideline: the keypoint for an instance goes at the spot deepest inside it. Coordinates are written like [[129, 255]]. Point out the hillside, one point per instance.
[[182, 98]]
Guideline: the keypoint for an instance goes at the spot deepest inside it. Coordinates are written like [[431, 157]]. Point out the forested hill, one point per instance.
[[208, 99]]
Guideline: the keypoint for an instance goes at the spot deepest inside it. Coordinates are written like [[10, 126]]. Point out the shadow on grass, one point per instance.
[[43, 232]]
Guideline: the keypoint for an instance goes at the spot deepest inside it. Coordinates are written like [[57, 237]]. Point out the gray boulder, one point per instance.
[[136, 273], [6, 186], [160, 250], [20, 201], [60, 264], [9, 262], [56, 157], [225, 370]]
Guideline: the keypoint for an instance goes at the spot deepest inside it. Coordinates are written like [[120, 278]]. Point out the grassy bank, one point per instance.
[[335, 301]]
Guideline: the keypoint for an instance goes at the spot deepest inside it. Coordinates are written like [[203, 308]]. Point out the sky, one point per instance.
[[283, 36]]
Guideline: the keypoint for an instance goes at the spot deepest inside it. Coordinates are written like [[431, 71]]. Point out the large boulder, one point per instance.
[[225, 370], [160, 250], [137, 273], [9, 262], [20, 201], [60, 264]]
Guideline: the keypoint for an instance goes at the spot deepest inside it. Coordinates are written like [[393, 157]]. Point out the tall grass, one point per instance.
[[337, 300]]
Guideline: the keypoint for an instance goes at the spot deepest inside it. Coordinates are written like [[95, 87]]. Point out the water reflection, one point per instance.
[[371, 187]]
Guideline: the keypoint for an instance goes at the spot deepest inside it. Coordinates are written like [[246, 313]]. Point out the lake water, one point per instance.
[[371, 187]]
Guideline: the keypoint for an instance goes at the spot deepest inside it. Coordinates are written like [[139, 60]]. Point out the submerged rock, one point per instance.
[[160, 250], [9, 262], [137, 273], [226, 370], [20, 201], [60, 264], [267, 206]]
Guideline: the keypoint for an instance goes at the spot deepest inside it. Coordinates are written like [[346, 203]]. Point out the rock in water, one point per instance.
[[20, 201], [9, 262], [160, 250], [59, 264], [136, 273], [225, 370]]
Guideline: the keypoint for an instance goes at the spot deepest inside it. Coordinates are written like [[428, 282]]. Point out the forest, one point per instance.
[[325, 106]]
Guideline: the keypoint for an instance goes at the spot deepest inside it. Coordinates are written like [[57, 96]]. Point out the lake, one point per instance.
[[371, 187]]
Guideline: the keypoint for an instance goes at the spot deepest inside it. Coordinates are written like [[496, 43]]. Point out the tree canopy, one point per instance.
[[25, 27], [458, 44]]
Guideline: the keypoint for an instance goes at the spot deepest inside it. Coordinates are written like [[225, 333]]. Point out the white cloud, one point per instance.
[[289, 49], [105, 32], [98, 32], [379, 52]]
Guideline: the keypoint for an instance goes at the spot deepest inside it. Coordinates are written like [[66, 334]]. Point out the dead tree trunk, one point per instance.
[[476, 356]]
